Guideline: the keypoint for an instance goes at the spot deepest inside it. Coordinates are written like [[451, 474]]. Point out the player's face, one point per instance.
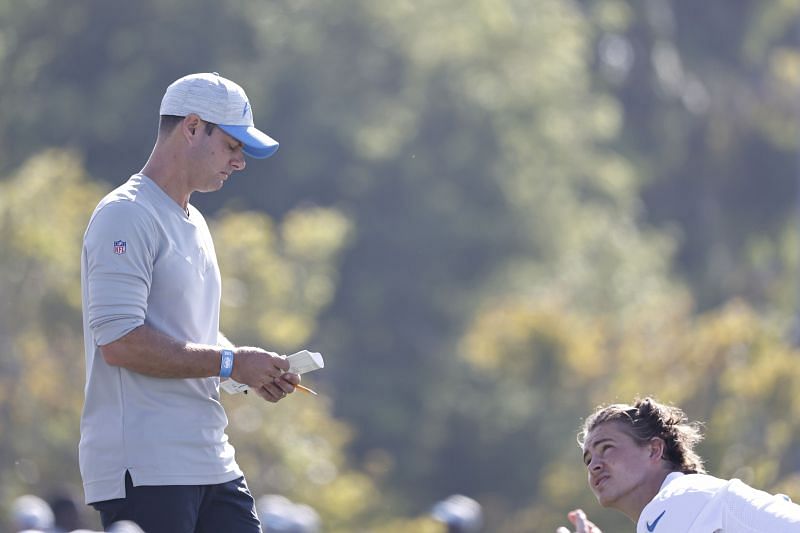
[[218, 156], [617, 465]]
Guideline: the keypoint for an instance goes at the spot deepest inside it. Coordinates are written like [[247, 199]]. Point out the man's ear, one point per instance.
[[657, 448], [190, 125]]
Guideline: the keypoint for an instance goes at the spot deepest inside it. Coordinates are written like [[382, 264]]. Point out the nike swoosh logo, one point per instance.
[[652, 527]]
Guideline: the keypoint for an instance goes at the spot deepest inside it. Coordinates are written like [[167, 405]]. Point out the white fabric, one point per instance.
[[145, 261], [699, 503]]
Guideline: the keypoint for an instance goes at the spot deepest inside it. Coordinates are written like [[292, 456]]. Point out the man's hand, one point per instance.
[[582, 525], [264, 372]]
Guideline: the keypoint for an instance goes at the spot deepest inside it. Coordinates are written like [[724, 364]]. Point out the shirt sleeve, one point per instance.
[[119, 249]]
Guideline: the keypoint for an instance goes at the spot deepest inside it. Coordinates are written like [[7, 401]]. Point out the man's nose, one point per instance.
[[238, 162]]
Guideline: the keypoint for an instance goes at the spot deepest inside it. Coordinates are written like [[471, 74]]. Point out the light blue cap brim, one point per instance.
[[256, 143]]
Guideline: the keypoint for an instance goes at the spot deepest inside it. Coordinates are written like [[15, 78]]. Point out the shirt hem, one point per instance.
[[111, 489]]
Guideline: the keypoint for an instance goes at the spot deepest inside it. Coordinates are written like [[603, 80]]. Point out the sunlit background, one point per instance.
[[488, 215]]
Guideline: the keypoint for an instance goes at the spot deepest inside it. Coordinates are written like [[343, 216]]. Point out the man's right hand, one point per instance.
[[264, 372], [581, 523]]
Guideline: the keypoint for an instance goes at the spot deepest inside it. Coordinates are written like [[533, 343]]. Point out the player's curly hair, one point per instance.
[[647, 419]]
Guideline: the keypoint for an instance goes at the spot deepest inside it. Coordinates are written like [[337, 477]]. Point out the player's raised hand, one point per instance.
[[581, 523]]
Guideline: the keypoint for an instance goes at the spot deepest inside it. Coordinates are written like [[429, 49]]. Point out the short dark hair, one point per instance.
[[647, 419], [167, 123]]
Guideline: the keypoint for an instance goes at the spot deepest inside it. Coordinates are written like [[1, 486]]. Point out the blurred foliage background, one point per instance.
[[489, 215]]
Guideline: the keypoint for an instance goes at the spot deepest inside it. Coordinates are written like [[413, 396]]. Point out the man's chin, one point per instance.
[[214, 187], [603, 499]]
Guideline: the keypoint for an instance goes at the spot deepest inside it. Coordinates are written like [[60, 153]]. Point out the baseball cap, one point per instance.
[[222, 102]]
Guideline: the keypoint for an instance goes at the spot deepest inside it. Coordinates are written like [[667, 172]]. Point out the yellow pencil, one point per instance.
[[305, 389]]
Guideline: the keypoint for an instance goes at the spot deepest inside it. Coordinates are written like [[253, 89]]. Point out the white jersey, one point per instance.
[[146, 261], [699, 503]]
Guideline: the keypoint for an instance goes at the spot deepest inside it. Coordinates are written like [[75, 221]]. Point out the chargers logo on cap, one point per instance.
[[246, 107]]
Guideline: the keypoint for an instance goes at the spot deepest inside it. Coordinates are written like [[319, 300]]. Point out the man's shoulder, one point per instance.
[[740, 494], [132, 191], [692, 484], [129, 199]]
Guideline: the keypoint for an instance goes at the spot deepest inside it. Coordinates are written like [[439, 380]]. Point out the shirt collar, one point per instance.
[[672, 476]]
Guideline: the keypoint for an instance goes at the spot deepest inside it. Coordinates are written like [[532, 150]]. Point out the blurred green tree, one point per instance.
[[708, 95], [452, 175], [44, 207]]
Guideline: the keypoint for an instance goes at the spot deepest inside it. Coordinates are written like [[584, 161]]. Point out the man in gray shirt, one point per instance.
[[153, 446]]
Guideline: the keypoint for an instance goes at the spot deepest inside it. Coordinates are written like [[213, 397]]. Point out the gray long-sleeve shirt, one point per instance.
[[144, 261]]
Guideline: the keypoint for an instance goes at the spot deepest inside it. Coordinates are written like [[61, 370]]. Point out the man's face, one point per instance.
[[217, 156], [617, 466]]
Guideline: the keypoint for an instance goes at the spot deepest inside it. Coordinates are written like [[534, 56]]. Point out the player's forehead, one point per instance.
[[607, 431]]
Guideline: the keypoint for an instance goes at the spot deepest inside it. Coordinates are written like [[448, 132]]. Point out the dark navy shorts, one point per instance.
[[225, 507]]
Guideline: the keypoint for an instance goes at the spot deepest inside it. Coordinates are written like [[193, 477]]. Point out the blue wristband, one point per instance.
[[226, 363]]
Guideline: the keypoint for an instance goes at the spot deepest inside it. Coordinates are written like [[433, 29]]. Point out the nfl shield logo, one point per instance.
[[119, 247]]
